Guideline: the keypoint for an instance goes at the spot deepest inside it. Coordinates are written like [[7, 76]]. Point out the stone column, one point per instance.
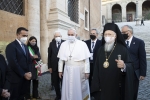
[[109, 13], [44, 30], [140, 9], [136, 9], [124, 12], [34, 19]]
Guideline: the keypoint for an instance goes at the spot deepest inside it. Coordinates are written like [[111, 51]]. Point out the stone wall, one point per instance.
[[9, 23]]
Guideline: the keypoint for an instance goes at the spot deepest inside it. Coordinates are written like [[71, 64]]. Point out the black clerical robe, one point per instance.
[[111, 83]]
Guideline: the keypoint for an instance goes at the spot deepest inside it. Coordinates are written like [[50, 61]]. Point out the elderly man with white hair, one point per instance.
[[75, 54], [53, 62]]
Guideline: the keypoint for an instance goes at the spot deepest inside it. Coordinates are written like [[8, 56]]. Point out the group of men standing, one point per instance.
[[107, 69], [114, 65]]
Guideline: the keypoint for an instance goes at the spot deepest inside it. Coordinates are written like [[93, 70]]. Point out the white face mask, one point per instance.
[[23, 40], [58, 39], [109, 39], [71, 39], [33, 43]]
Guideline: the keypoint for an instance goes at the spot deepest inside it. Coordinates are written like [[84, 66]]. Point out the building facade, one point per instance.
[[43, 17], [125, 10]]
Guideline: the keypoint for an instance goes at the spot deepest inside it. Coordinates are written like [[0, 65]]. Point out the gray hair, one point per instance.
[[130, 28], [57, 32], [73, 29], [97, 32]]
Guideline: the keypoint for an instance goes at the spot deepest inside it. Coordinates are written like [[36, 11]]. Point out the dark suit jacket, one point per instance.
[[97, 46], [138, 55], [52, 56], [3, 69], [18, 62]]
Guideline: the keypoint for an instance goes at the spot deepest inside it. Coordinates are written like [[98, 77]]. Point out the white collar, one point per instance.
[[130, 39], [94, 40], [19, 41]]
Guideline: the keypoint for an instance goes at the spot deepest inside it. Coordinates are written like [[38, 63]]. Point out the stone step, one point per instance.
[[148, 56]]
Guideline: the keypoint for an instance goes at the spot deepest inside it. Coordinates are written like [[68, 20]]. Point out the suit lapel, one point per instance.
[[55, 47], [133, 42], [19, 47], [96, 45], [89, 45]]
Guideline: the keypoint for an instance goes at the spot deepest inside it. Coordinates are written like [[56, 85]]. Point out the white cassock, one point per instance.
[[76, 57]]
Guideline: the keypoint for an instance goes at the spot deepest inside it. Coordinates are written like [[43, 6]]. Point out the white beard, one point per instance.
[[109, 46]]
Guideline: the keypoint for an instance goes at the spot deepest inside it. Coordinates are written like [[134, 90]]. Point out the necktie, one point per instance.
[[92, 45], [128, 44], [23, 48], [58, 45]]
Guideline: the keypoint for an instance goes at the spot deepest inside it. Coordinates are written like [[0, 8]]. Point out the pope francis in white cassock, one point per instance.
[[75, 54]]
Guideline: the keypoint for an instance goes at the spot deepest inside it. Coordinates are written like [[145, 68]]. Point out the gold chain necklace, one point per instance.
[[106, 63]]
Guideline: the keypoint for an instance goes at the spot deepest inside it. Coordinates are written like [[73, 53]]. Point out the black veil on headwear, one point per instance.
[[115, 28]]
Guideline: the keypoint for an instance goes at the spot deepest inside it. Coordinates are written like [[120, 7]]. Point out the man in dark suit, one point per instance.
[[136, 48], [19, 64], [93, 44], [3, 68], [53, 62]]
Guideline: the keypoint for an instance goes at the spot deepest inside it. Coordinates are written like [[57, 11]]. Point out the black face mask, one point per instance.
[[125, 36], [93, 37]]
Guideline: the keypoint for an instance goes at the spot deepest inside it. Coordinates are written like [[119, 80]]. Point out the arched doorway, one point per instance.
[[116, 13], [146, 10], [131, 11]]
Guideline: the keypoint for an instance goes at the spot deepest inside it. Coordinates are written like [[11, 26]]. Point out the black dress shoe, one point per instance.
[[57, 98]]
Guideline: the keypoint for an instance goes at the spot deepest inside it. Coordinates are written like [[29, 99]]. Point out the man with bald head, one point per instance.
[[75, 54], [136, 48], [53, 62]]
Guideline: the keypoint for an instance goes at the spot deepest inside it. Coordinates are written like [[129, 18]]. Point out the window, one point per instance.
[[86, 19], [73, 10], [13, 6]]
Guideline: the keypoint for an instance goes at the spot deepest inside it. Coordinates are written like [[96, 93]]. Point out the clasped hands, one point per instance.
[[28, 75], [5, 93]]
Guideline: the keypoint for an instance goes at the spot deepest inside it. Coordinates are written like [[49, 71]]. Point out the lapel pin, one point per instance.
[[133, 42]]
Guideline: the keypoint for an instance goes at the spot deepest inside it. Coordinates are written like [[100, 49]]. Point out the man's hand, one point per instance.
[[28, 75], [5, 93], [141, 78], [87, 75], [50, 70], [120, 63], [60, 74]]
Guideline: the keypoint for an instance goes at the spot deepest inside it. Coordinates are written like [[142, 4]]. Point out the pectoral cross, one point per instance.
[[70, 57]]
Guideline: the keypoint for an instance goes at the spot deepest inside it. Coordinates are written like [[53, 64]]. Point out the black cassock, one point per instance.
[[111, 83]]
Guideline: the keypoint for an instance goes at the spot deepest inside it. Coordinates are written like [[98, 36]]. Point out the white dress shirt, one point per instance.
[[130, 40]]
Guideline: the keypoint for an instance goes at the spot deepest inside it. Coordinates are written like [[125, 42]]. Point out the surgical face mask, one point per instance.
[[58, 39], [71, 39], [33, 43], [23, 40], [125, 36], [109, 39]]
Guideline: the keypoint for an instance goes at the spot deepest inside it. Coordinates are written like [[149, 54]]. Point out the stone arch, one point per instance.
[[116, 13], [146, 9], [131, 11]]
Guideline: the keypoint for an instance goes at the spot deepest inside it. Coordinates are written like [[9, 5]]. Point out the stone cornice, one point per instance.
[[61, 24]]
